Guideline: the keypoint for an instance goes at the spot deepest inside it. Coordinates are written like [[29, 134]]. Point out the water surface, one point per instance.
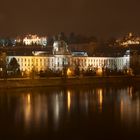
[[70, 113]]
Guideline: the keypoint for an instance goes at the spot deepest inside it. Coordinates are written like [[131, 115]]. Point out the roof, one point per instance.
[[79, 53]]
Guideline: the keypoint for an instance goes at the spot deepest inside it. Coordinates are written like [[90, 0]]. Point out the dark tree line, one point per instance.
[[72, 38], [12, 69]]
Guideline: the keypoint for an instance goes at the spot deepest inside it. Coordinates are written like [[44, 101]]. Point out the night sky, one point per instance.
[[102, 18]]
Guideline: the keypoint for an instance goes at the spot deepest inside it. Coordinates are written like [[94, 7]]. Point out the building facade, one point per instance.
[[62, 57]]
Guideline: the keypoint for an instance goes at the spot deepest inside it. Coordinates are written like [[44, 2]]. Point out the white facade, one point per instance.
[[57, 62], [99, 62], [62, 58]]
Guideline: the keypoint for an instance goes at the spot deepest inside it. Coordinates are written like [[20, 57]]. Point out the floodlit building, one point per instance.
[[129, 40], [32, 40], [61, 57]]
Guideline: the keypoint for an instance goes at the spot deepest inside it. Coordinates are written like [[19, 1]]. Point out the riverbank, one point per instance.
[[57, 81]]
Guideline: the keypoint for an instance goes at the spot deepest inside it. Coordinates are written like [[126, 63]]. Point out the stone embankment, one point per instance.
[[45, 82]]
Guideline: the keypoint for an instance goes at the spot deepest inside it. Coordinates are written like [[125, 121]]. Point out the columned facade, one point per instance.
[[62, 58]]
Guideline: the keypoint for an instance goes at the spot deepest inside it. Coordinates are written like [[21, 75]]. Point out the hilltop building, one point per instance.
[[129, 40], [32, 40]]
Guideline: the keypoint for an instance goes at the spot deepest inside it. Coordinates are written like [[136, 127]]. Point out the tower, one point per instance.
[[61, 54]]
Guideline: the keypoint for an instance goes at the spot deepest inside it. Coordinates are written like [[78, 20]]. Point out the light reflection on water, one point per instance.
[[52, 108], [130, 107]]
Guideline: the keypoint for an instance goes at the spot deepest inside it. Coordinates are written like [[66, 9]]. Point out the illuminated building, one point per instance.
[[32, 40], [61, 57], [128, 40]]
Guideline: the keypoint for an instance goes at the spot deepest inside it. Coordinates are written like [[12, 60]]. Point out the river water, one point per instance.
[[74, 113]]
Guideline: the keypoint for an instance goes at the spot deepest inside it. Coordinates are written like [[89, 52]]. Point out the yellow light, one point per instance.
[[69, 72], [99, 72], [27, 111], [69, 100], [100, 96], [28, 98]]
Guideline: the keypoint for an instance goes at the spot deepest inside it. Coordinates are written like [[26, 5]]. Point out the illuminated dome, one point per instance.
[[60, 47]]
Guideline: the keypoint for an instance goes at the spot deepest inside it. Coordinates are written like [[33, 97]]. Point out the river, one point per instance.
[[74, 113]]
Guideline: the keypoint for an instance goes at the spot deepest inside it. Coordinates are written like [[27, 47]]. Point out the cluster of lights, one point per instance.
[[129, 40], [32, 40]]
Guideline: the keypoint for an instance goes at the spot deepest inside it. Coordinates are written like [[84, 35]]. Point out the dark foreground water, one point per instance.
[[80, 113]]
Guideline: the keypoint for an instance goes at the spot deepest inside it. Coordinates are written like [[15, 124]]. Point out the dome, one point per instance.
[[60, 47]]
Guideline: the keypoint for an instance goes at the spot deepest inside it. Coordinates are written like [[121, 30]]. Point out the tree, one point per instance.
[[62, 36], [13, 65], [3, 64], [72, 38], [77, 68]]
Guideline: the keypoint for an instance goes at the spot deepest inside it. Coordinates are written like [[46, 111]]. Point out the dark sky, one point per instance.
[[102, 18]]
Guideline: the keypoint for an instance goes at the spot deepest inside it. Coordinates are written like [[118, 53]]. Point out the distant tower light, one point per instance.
[[130, 34]]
